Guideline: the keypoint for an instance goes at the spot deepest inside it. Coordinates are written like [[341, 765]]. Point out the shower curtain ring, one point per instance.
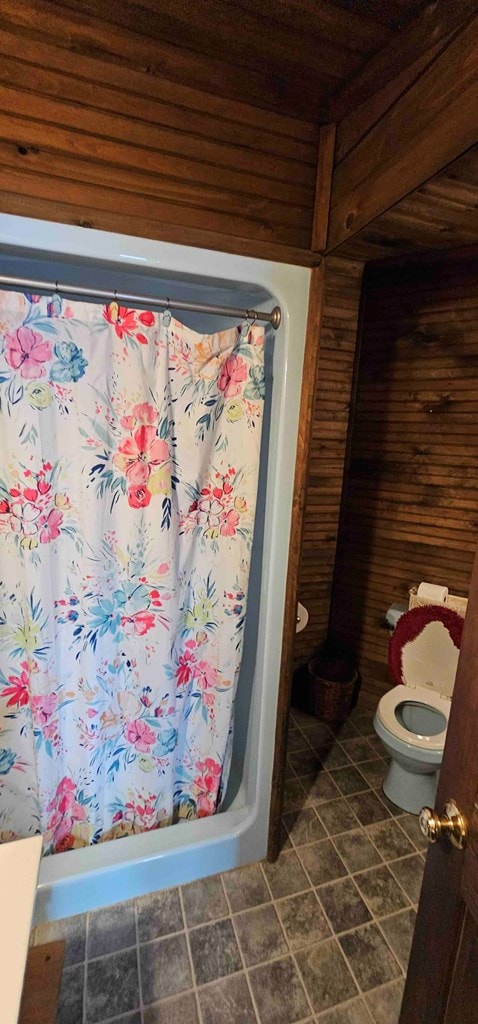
[[114, 308], [167, 314], [54, 304], [248, 322]]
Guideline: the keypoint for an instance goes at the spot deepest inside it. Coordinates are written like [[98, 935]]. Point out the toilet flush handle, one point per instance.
[[451, 824]]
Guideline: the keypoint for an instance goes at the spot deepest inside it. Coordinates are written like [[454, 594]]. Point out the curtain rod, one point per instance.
[[274, 317]]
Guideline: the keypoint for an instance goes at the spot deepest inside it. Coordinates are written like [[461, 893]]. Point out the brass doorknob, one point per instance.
[[451, 824]]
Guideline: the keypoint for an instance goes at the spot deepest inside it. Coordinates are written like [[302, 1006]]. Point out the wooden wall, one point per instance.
[[411, 128], [441, 214], [328, 447], [411, 508], [91, 133]]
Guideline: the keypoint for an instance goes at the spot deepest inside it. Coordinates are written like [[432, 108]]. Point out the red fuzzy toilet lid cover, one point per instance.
[[423, 649]]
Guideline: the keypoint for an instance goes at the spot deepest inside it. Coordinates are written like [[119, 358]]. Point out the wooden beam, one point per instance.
[[325, 166], [431, 124], [398, 64], [85, 215], [304, 438], [355, 125], [306, 418]]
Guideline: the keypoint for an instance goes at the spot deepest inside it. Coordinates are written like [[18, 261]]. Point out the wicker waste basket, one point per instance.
[[333, 681]]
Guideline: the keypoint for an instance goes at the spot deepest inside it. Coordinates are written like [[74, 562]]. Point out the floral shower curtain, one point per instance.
[[129, 457]]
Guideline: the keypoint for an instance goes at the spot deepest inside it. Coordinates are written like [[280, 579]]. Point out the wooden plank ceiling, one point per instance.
[[442, 214], [289, 57]]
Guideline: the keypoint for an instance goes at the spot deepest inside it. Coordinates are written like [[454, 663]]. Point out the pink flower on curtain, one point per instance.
[[143, 809], [43, 707], [50, 526], [184, 671], [146, 318], [142, 413], [35, 512], [207, 785], [218, 509], [137, 624], [65, 811], [125, 321], [27, 351], [205, 674], [233, 373], [50, 730], [66, 795], [229, 522], [137, 454], [140, 735], [139, 497]]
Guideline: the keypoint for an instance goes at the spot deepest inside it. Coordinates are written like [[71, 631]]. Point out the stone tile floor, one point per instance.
[[321, 936]]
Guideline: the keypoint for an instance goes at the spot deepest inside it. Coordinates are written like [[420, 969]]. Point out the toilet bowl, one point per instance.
[[412, 718]]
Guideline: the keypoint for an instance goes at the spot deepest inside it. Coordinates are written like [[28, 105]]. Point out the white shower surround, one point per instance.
[[79, 880]]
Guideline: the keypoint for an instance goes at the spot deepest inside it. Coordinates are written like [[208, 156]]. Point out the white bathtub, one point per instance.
[[80, 880]]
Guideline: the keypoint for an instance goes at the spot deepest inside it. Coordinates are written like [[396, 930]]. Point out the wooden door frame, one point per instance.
[[325, 167], [306, 416]]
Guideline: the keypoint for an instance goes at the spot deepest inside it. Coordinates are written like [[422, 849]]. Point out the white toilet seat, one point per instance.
[[419, 695]]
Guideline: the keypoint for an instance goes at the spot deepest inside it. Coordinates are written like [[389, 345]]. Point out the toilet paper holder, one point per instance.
[[457, 604], [302, 618]]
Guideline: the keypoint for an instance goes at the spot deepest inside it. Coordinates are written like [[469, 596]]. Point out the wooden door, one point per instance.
[[442, 983]]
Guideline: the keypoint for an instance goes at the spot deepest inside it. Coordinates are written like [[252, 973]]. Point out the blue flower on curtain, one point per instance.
[[7, 761], [70, 363]]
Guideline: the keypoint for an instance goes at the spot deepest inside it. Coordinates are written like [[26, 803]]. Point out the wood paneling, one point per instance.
[[90, 136], [441, 214], [411, 509], [429, 125], [288, 58], [366, 97], [307, 402], [328, 446], [41, 988], [199, 122], [325, 168], [395, 14]]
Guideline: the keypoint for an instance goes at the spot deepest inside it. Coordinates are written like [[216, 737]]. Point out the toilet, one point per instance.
[[412, 718]]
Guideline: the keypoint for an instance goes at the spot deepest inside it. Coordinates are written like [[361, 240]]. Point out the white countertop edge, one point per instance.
[[19, 864]]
